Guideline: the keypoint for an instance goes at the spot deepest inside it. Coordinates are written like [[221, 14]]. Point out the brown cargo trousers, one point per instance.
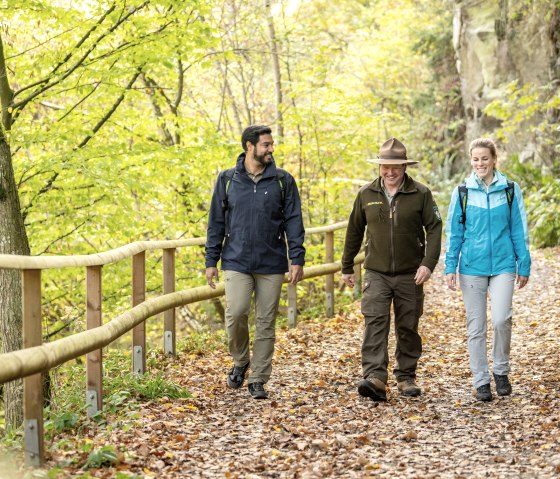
[[379, 292]]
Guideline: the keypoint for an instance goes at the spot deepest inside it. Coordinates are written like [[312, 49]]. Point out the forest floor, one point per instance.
[[315, 425]]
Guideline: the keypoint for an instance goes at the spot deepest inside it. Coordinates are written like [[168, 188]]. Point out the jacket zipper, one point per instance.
[[391, 209]]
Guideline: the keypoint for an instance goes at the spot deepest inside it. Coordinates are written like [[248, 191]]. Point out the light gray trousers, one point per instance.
[[475, 291], [239, 291]]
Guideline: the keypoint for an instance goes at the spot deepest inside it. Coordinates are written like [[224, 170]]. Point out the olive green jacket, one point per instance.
[[401, 236]]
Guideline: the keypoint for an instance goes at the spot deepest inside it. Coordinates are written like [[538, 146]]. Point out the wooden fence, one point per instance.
[[36, 357]]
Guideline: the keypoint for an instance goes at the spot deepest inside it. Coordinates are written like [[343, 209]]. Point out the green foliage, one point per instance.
[[105, 456], [201, 342], [542, 200], [534, 109]]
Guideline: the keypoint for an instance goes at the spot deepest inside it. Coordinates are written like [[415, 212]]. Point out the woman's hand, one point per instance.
[[522, 281], [451, 280]]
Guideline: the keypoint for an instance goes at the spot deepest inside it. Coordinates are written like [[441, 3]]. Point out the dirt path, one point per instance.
[[316, 426]]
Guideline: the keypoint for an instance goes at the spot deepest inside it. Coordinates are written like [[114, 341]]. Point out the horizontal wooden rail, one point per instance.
[[10, 261], [36, 358], [25, 362]]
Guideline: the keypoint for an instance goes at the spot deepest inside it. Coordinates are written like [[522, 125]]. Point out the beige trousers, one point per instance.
[[239, 291]]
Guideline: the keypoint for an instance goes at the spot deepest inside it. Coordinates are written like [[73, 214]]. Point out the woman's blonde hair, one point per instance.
[[483, 143]]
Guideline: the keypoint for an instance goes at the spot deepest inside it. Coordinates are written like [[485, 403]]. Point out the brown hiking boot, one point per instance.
[[373, 388], [407, 387]]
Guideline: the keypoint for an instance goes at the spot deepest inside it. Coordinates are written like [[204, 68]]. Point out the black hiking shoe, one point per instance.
[[256, 390], [372, 388], [503, 386], [236, 376], [483, 393]]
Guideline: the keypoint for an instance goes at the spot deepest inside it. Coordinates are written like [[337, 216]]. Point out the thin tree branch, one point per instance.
[[112, 110], [19, 105], [70, 53], [46, 250]]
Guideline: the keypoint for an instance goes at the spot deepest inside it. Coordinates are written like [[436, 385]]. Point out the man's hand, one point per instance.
[[349, 279], [212, 273], [422, 275], [295, 274], [451, 280]]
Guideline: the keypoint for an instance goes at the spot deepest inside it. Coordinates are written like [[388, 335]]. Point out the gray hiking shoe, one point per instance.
[[483, 393], [503, 386]]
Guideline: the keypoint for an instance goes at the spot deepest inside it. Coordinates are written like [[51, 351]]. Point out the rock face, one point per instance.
[[496, 43]]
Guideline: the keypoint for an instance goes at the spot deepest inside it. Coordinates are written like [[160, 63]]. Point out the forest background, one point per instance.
[[117, 116]]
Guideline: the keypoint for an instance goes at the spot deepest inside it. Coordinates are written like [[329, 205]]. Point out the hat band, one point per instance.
[[391, 157]]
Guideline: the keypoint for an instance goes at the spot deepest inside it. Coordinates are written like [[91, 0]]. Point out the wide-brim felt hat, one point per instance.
[[392, 152]]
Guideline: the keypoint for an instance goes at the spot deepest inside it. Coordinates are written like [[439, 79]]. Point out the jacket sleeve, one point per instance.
[[455, 233], [216, 225], [293, 222], [354, 235], [520, 233], [431, 220]]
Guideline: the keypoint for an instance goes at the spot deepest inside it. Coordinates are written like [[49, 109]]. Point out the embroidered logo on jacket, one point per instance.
[[375, 203]]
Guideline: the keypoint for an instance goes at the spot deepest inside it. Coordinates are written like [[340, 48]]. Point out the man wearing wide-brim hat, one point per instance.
[[403, 243]]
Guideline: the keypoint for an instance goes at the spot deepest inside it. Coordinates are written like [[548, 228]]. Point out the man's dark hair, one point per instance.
[[252, 133]]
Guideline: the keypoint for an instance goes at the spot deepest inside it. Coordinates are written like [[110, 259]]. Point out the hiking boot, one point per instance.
[[373, 388], [236, 376], [483, 393], [503, 386], [256, 390], [407, 387]]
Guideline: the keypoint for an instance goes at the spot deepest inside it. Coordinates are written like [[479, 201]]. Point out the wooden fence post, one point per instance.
[[169, 338], [138, 296], [329, 279], [94, 360], [32, 385]]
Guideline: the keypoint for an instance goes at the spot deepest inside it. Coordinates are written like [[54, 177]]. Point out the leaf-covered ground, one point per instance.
[[315, 425]]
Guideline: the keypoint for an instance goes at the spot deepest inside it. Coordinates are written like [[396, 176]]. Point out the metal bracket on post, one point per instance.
[[168, 342], [292, 317], [32, 453], [330, 304], [91, 401], [137, 363]]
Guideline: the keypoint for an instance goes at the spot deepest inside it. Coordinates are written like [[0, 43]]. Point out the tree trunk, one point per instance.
[[277, 76], [13, 240]]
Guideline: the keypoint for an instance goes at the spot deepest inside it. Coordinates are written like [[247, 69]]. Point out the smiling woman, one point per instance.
[[483, 159]]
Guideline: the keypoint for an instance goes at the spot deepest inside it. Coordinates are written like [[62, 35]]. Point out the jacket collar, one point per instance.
[[269, 171], [408, 185], [498, 183]]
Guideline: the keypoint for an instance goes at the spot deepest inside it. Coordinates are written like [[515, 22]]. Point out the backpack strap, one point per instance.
[[282, 183], [226, 181], [510, 193], [463, 196], [464, 193]]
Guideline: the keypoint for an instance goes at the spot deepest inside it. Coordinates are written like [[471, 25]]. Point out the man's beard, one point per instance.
[[264, 160]]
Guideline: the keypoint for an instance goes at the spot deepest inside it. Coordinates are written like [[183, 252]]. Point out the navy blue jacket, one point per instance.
[[258, 223]]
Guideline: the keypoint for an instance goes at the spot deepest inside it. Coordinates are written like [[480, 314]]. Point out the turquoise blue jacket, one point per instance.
[[494, 239]]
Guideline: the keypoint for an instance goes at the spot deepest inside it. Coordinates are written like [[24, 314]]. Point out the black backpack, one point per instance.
[[464, 194]]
